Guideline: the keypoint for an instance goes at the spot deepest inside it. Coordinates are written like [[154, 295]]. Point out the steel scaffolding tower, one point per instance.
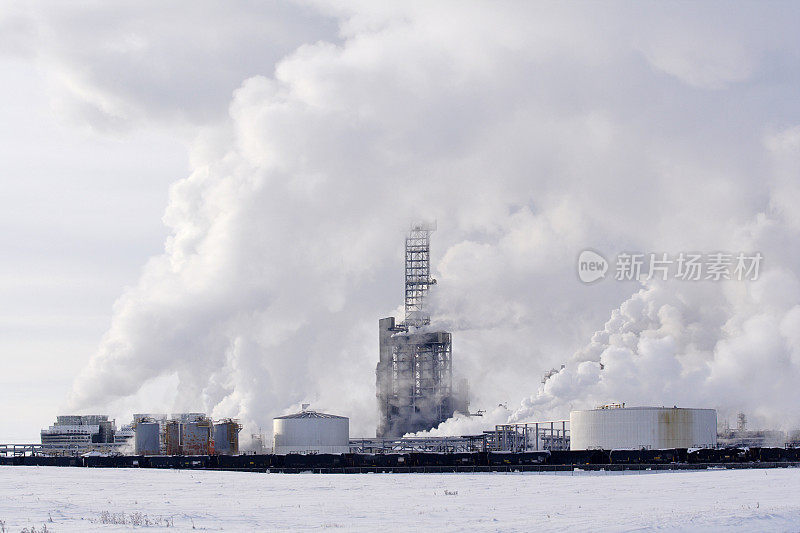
[[415, 371], [418, 274]]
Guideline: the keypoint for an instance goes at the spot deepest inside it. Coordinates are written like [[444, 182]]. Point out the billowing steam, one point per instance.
[[530, 134], [696, 347]]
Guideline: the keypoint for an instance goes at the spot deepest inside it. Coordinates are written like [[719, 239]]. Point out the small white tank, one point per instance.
[[311, 432]]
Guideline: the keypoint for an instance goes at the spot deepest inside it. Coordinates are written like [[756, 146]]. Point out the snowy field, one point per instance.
[[81, 499]]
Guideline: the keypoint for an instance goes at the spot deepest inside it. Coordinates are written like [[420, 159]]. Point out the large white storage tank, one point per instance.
[[621, 428], [311, 432]]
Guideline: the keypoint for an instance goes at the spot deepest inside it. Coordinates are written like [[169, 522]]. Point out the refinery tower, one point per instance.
[[415, 371]]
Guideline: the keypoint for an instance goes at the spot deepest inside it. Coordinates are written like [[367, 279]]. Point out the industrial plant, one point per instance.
[[416, 391]]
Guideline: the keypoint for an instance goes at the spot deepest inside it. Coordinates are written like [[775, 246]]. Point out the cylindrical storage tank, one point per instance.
[[172, 437], [633, 428], [146, 438], [196, 438], [311, 432], [226, 437]]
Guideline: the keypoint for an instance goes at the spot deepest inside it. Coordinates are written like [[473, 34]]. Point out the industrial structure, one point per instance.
[[516, 438], [226, 436], [197, 437], [462, 444], [530, 436], [148, 434], [310, 432], [78, 434], [147, 437], [616, 427], [172, 437], [741, 436], [125, 436], [185, 434], [414, 376]]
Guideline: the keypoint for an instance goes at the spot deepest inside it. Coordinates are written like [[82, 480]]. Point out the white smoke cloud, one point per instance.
[[530, 133], [138, 63], [729, 345]]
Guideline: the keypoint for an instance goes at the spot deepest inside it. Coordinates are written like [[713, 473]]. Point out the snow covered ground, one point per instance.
[[81, 499]]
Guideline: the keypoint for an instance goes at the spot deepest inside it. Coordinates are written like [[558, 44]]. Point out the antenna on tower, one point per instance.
[[418, 273]]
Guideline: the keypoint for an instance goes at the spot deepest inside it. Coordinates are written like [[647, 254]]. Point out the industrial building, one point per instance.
[[616, 427], [414, 375], [125, 435], [311, 432], [77, 434]]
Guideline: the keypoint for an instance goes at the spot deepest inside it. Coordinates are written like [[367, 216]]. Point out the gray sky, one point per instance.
[[204, 204]]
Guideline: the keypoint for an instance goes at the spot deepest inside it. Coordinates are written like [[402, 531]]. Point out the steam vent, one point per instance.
[[415, 371]]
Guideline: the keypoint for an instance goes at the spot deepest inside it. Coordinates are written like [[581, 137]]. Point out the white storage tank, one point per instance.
[[311, 432], [633, 428]]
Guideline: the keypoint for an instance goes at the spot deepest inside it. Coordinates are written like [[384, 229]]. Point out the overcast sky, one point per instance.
[[203, 205]]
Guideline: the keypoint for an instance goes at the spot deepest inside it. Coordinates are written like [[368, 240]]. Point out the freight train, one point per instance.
[[440, 462]]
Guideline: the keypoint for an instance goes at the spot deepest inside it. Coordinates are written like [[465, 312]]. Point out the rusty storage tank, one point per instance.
[[146, 438], [172, 437], [617, 427], [311, 432], [196, 438], [226, 436]]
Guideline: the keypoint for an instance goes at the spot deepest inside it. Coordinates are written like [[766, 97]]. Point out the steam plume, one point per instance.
[[530, 134]]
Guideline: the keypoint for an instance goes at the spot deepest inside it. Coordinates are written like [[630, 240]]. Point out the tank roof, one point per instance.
[[642, 408], [309, 414]]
